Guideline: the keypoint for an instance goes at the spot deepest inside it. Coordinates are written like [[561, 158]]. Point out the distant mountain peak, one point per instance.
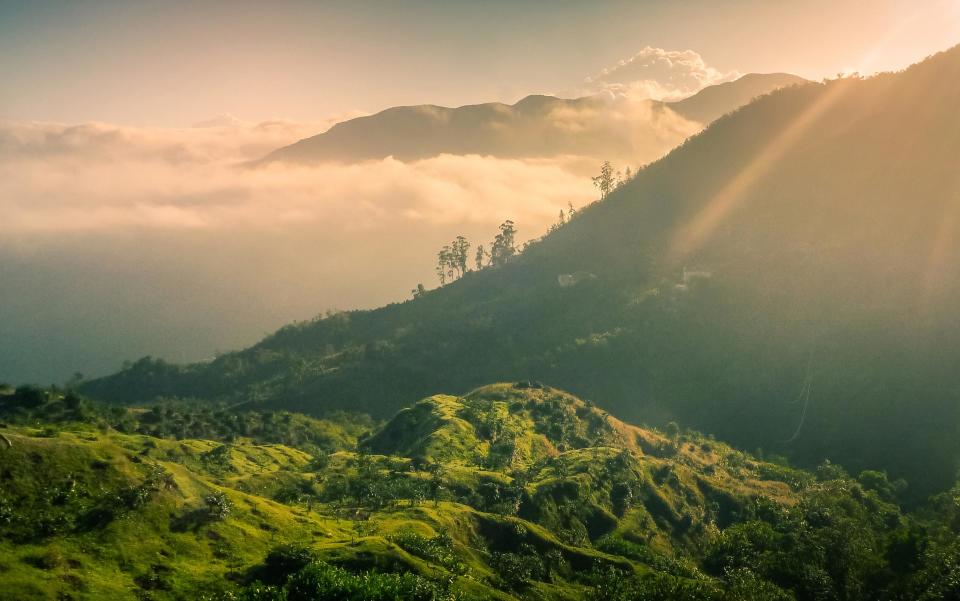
[[537, 125]]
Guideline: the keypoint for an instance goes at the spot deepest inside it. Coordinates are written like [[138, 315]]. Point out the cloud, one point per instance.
[[224, 139], [623, 128], [657, 74], [122, 242], [125, 241], [99, 178]]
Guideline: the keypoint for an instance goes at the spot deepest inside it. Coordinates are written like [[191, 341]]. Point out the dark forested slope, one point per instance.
[[788, 280]]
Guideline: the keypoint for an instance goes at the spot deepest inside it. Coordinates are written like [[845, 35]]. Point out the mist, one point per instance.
[[122, 242]]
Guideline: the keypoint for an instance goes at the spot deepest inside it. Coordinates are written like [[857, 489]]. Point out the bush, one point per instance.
[[438, 550], [517, 570], [284, 561], [323, 581], [218, 506], [611, 584]]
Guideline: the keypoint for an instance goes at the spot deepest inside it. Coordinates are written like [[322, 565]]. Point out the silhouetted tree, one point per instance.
[[504, 245], [452, 260], [561, 220], [605, 182], [443, 265], [479, 257], [458, 255]]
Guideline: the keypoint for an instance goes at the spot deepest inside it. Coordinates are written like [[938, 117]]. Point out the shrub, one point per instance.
[[323, 581], [517, 570], [218, 506], [284, 561], [438, 549]]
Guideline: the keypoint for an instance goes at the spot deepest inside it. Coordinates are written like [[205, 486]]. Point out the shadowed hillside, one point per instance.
[[537, 126], [787, 280], [713, 102]]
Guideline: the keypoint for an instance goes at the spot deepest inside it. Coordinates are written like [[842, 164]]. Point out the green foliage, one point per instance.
[[218, 506], [185, 420], [615, 585], [284, 561], [517, 490], [318, 580], [438, 549], [801, 326], [518, 570]]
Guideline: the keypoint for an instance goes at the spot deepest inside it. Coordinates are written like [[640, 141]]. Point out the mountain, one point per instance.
[[786, 280], [713, 102], [537, 126], [513, 491]]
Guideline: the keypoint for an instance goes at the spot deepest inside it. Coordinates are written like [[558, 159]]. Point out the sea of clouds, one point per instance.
[[118, 242]]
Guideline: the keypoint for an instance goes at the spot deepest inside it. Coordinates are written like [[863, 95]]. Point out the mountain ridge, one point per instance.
[[420, 131]]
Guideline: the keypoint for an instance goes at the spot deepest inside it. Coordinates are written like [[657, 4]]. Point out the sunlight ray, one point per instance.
[[731, 196]]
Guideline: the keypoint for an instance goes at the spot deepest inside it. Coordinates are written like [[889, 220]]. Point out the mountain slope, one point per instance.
[[537, 126], [713, 102], [787, 280]]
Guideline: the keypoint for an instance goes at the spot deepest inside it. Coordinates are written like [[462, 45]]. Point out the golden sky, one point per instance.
[[176, 62]]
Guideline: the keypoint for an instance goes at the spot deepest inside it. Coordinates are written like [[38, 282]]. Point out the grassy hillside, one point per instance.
[[786, 280], [511, 492]]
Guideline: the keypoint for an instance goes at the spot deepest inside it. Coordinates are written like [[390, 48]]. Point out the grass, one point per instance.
[[91, 514]]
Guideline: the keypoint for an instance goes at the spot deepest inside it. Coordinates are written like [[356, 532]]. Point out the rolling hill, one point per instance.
[[536, 126], [787, 280], [513, 491]]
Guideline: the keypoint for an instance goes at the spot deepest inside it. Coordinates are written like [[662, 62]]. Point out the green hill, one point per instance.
[[510, 492], [786, 280]]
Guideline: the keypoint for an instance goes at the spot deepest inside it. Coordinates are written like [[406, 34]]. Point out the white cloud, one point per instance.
[[657, 74]]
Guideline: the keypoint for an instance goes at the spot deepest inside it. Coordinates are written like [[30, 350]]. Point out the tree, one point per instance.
[[418, 291], [452, 260], [605, 182], [504, 245], [458, 255], [479, 257], [218, 506], [443, 264], [29, 397], [561, 220]]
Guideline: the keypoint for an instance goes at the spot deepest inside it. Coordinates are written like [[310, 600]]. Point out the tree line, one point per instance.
[[453, 260]]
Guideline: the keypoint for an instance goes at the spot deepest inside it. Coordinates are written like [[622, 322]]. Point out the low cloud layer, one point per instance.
[[120, 242], [657, 74]]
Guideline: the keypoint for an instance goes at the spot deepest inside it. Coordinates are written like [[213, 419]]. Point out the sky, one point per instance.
[[176, 62], [131, 227]]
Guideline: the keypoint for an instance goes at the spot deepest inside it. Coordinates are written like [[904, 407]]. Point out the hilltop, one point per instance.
[[514, 491]]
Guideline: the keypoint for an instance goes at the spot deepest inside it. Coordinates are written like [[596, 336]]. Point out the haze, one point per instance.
[[133, 226]]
